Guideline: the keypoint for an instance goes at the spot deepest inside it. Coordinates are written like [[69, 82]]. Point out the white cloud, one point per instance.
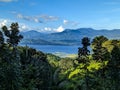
[[51, 30], [29, 18], [7, 22], [60, 29], [70, 23], [37, 19], [65, 21], [4, 22], [48, 29], [48, 18], [7, 0], [24, 27]]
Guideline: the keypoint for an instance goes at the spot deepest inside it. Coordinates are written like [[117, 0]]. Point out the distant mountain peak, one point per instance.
[[70, 36], [33, 31]]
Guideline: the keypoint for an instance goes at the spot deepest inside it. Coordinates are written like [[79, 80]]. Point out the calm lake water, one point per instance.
[[56, 48]]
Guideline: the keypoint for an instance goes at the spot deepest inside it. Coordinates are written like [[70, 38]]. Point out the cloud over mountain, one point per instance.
[[60, 29]]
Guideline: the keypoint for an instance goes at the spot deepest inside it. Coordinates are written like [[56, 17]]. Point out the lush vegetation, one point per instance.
[[24, 68]]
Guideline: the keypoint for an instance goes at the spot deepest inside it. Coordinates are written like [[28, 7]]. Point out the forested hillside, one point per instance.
[[67, 37], [24, 68]]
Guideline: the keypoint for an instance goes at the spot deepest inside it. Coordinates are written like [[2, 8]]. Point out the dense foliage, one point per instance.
[[21, 68], [24, 68]]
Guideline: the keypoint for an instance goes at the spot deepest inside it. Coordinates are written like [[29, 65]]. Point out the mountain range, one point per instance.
[[67, 37]]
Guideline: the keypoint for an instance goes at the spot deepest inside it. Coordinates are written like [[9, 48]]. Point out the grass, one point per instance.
[[63, 55]]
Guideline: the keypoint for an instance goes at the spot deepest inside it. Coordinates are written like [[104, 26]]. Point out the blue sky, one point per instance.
[[57, 15]]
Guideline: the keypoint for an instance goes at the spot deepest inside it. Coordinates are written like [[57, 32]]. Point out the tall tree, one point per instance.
[[83, 52], [1, 39], [13, 37], [21, 68], [10, 78], [114, 68], [100, 53], [83, 58]]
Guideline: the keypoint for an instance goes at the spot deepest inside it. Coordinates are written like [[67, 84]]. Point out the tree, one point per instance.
[[99, 40], [83, 57], [10, 78], [83, 52], [1, 39], [13, 37], [100, 53], [36, 71], [21, 68], [114, 68]]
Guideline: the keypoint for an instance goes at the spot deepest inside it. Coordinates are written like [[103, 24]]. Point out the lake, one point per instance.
[[56, 48]]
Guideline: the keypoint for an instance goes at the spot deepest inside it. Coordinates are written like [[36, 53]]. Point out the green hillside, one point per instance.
[[25, 68]]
